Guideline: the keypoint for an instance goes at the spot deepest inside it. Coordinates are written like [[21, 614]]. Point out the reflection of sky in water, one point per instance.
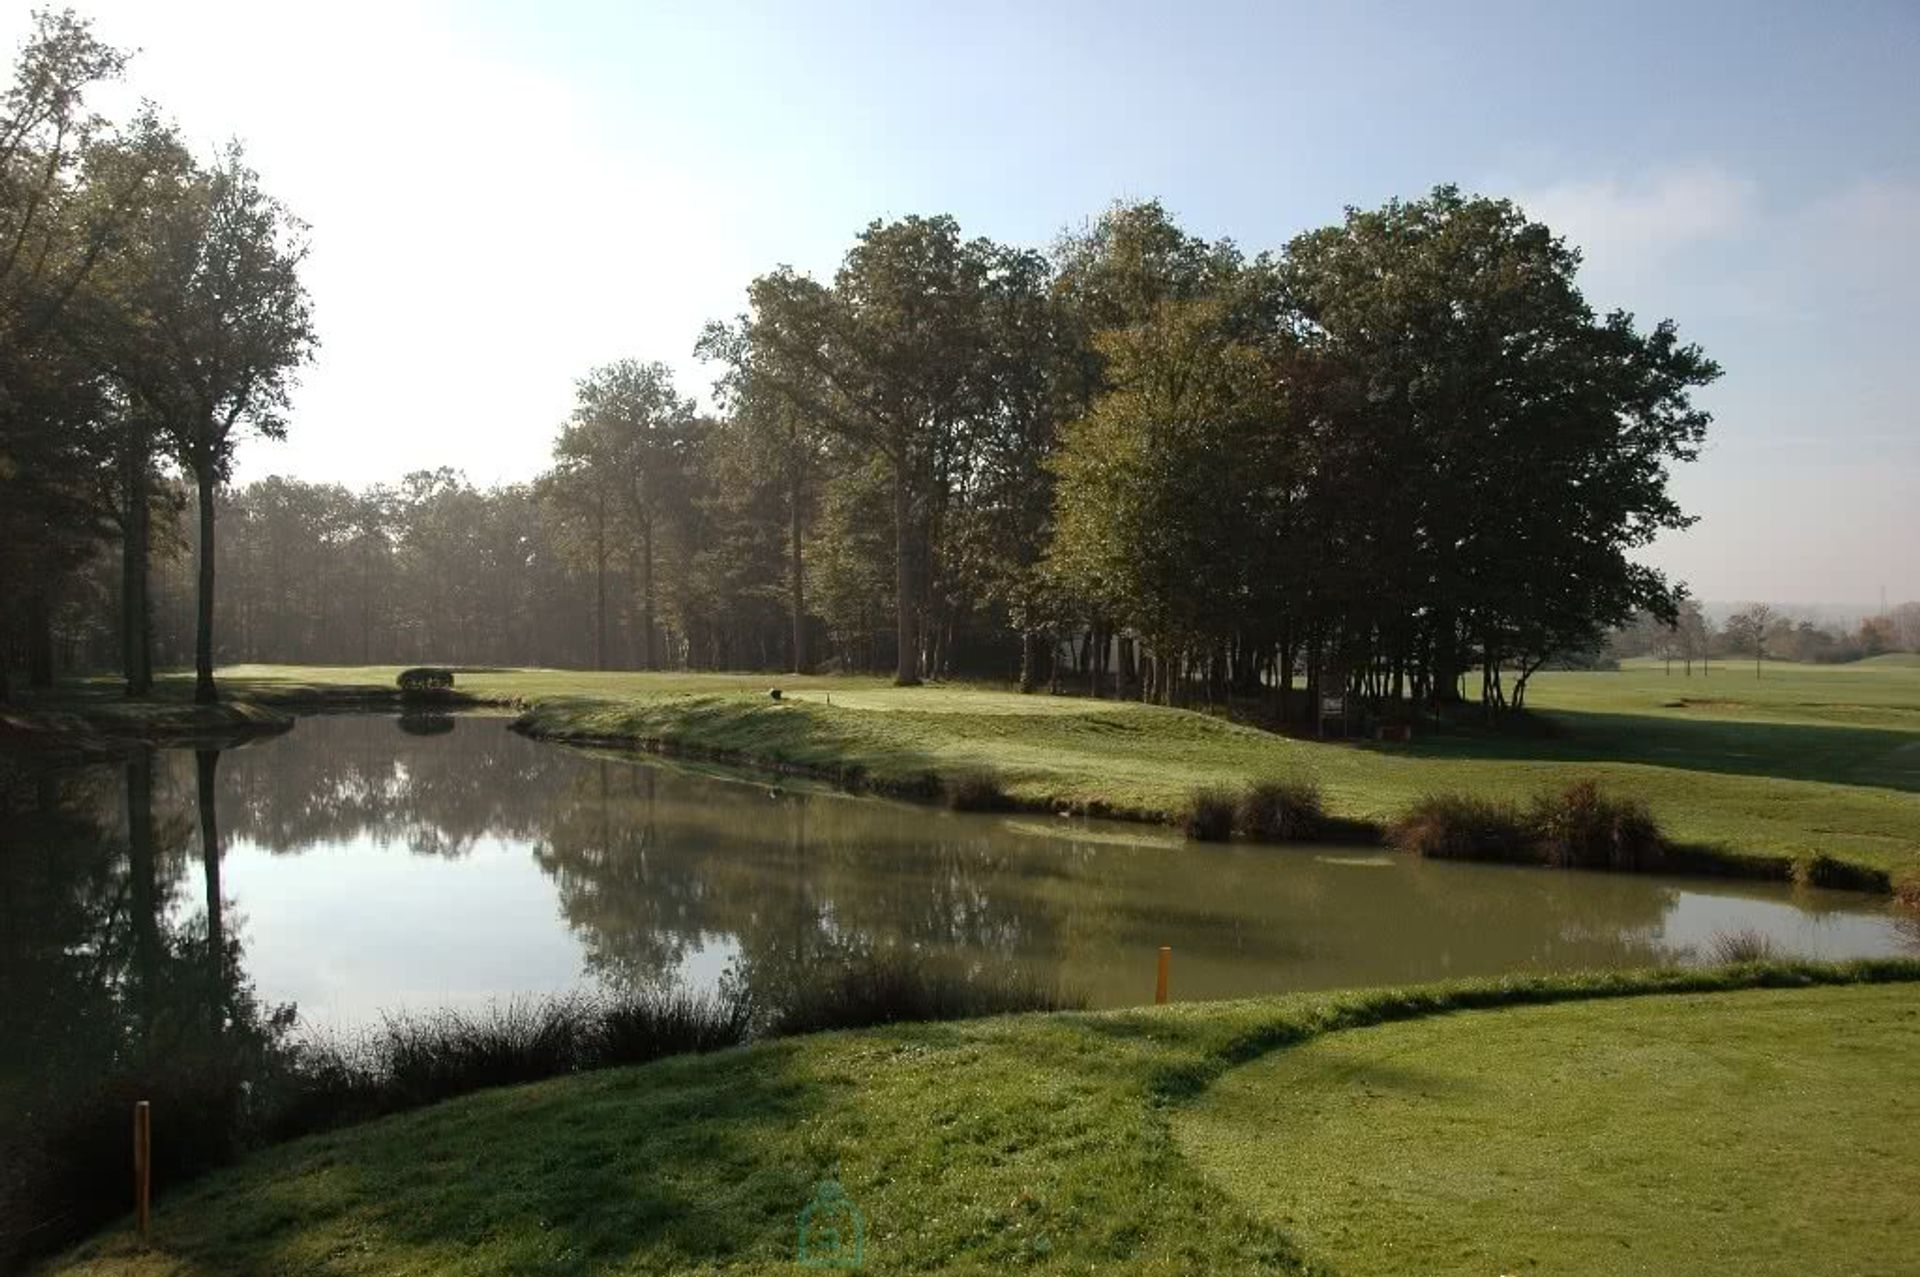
[[478, 865], [1697, 916]]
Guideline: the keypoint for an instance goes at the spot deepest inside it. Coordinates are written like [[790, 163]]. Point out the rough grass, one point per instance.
[[1580, 827], [1754, 1133], [1748, 944], [1464, 827], [70, 1177], [1210, 814], [1805, 759], [1005, 1143], [1282, 809]]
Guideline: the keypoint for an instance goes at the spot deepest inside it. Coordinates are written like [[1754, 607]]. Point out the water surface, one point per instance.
[[367, 865]]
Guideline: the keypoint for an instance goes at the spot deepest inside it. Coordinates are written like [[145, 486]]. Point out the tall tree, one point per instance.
[[890, 359], [228, 324]]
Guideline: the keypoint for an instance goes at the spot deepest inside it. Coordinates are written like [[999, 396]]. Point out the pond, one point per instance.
[[371, 865]]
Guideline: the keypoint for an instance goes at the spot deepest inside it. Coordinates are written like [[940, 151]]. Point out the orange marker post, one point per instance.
[[1160, 985]]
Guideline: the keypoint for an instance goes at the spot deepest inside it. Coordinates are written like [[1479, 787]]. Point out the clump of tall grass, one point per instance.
[[1748, 944], [1463, 827], [413, 1060], [899, 987], [1818, 869], [1281, 809], [1581, 827], [975, 791], [1209, 814]]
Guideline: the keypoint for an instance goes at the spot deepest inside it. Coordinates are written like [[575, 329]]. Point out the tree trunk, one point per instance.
[[796, 584], [204, 692], [647, 658], [907, 658], [600, 584], [39, 636], [136, 628]]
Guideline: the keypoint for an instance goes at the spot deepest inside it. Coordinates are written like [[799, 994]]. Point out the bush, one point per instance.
[[426, 678], [1286, 809], [975, 791], [1582, 828], [1748, 944], [1209, 815], [898, 987], [1461, 827], [1818, 869]]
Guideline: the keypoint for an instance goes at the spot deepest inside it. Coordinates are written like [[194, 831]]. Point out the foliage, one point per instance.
[[1580, 827], [1465, 827], [1282, 809], [1209, 814], [1748, 944], [424, 678]]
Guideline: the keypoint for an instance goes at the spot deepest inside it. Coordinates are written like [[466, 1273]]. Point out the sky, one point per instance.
[[503, 195]]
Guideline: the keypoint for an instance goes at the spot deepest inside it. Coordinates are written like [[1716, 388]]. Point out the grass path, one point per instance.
[[1765, 1134], [1032, 1142]]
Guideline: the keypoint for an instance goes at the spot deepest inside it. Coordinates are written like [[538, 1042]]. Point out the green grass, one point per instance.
[[1760, 1133], [1052, 1142], [1804, 760]]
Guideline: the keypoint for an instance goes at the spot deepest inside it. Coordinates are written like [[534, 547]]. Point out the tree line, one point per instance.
[[1758, 632], [1400, 453]]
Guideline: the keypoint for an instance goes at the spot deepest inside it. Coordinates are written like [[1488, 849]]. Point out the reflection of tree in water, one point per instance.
[[117, 981], [337, 778]]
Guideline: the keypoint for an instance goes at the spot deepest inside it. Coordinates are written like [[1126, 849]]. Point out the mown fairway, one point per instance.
[[1805, 759], [1062, 1143], [1756, 1133]]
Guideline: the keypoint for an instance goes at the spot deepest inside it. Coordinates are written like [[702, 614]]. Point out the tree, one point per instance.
[[54, 228], [1747, 631], [633, 432], [226, 325], [889, 359]]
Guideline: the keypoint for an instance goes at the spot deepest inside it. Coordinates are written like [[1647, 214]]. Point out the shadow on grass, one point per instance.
[[1790, 751]]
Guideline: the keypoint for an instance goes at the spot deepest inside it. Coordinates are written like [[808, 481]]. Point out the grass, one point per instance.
[[1754, 1133], [1807, 760], [1061, 1142], [64, 1175]]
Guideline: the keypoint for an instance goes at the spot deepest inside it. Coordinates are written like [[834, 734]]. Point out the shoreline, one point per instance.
[[59, 730]]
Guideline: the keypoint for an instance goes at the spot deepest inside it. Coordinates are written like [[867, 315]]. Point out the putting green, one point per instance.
[[1767, 1132]]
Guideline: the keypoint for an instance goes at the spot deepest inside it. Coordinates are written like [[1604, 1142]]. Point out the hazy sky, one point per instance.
[[502, 195]]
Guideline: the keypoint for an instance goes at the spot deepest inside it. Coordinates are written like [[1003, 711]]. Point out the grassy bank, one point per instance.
[[1749, 774], [1051, 1141], [1756, 1133]]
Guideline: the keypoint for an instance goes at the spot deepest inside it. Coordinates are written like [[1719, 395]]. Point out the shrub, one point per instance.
[[1748, 944], [1462, 827], [1583, 828], [1285, 809], [1209, 815], [899, 987], [425, 678], [975, 791], [1818, 869]]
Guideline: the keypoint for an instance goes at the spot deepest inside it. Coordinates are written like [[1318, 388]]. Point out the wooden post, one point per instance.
[[142, 1166], [1160, 985]]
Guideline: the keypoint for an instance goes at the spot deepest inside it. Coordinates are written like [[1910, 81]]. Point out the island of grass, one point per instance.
[[1805, 764], [1740, 1120]]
